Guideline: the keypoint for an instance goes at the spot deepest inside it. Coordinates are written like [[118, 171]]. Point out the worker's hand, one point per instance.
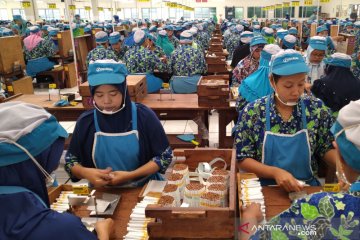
[[98, 177], [104, 228], [286, 180], [252, 211], [119, 177]]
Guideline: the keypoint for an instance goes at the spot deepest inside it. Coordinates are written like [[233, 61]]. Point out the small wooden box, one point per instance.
[[11, 53], [216, 47], [217, 59], [190, 223], [348, 45], [215, 40], [70, 73], [65, 43], [136, 84], [214, 85], [23, 85], [54, 192]]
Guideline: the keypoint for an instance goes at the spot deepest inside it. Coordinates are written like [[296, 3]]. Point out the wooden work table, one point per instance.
[[276, 199], [121, 216]]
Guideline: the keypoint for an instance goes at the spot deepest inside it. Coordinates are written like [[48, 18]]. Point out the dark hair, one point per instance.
[[276, 77]]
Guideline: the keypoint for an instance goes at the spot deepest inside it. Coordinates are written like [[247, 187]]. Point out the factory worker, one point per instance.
[[115, 40], [339, 86], [234, 40], [250, 63], [322, 31], [187, 65], [140, 60], [170, 32], [329, 215], [118, 143], [31, 144], [278, 136], [163, 43], [243, 49], [257, 84], [37, 51], [315, 54], [101, 51]]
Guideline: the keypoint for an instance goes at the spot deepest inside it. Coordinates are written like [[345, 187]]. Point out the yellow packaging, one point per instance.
[[81, 189], [331, 187]]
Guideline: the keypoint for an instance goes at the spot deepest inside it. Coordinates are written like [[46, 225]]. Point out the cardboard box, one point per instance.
[[348, 45], [11, 52], [23, 85], [65, 43], [82, 50], [70, 74]]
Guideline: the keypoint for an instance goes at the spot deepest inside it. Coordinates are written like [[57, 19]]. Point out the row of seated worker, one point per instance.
[[279, 137]]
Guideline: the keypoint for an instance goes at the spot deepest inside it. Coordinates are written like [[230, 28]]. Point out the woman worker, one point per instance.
[[31, 144], [278, 136], [328, 215], [37, 51], [119, 142], [339, 86]]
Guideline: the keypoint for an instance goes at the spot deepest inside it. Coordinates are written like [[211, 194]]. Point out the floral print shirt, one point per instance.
[[100, 53], [243, 69], [120, 55], [319, 216], [187, 61], [141, 60], [44, 48], [232, 43], [250, 128], [174, 41]]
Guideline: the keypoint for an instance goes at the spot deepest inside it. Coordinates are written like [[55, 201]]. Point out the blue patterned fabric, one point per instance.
[[330, 216], [232, 43], [250, 128], [141, 60], [187, 61], [100, 53]]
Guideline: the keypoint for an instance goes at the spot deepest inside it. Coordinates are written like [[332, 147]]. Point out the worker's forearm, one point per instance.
[[145, 170], [261, 170]]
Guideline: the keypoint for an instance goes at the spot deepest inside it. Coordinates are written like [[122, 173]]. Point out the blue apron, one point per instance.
[[17, 189], [34, 66], [184, 84], [290, 152], [120, 151]]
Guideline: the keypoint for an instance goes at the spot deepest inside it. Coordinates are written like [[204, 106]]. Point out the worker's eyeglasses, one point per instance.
[[318, 55]]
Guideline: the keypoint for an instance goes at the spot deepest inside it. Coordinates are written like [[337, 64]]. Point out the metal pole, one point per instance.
[[317, 13]]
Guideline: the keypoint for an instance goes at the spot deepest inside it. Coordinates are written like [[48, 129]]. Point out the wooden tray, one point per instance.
[[190, 223], [213, 85]]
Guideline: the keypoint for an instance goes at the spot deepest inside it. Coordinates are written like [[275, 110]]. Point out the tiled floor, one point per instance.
[[170, 126]]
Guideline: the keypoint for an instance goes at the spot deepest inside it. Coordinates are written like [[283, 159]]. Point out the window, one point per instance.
[[18, 11], [104, 15], [203, 13], [172, 13], [252, 11], [49, 14], [3, 14], [239, 12], [145, 13], [187, 14], [308, 11], [84, 15], [155, 13], [130, 13]]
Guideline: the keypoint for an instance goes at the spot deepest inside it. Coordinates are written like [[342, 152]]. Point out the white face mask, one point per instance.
[[112, 111], [290, 104]]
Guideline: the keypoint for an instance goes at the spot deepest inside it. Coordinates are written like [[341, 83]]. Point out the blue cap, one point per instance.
[[87, 29], [169, 27], [293, 30], [53, 31], [339, 60], [257, 40], [34, 29], [186, 37], [153, 29], [108, 26], [282, 34], [17, 17], [100, 73], [321, 29], [349, 24], [114, 38], [318, 43], [7, 32], [289, 41], [66, 27], [101, 37], [288, 62], [45, 27]]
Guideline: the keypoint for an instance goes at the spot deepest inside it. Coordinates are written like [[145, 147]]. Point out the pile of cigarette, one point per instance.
[[62, 203], [137, 226], [251, 193]]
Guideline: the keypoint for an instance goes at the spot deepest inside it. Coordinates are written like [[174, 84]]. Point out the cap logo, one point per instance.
[[285, 60], [99, 69]]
